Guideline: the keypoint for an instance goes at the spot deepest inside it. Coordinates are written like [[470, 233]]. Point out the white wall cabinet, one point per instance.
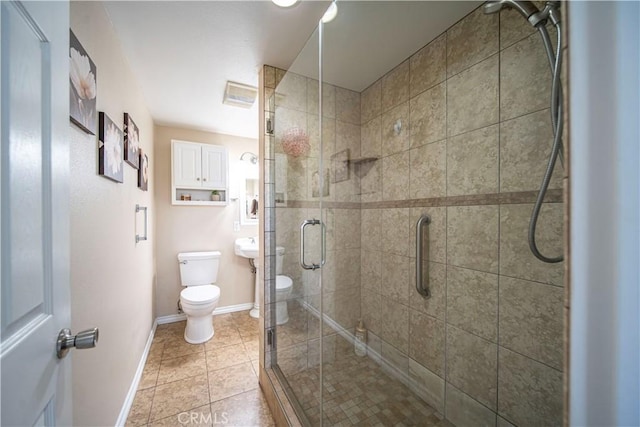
[[197, 170], [214, 166]]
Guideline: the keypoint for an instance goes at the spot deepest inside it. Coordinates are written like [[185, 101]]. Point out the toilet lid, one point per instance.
[[200, 294], [283, 282]]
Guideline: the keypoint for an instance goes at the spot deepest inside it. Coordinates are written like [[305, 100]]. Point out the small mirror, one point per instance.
[[249, 202]]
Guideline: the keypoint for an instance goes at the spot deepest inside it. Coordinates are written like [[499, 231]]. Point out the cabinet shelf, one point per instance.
[[198, 203], [199, 197]]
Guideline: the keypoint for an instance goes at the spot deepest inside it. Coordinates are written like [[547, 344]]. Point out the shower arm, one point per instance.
[[550, 12]]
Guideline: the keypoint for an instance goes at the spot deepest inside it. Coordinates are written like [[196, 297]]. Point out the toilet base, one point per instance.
[[199, 329], [282, 313]]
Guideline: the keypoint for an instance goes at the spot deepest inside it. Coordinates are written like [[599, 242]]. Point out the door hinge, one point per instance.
[[270, 126], [271, 338]]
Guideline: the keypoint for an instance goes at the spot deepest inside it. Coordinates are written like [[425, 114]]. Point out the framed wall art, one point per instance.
[[143, 172], [131, 142], [110, 164], [82, 87]]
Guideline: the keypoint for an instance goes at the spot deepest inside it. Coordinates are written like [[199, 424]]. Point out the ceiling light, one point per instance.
[[239, 95], [285, 3], [331, 13]]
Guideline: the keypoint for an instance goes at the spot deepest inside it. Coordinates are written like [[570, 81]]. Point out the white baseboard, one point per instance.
[[233, 308], [126, 407], [128, 401], [171, 318]]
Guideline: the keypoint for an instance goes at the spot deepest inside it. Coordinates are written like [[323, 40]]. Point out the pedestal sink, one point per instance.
[[247, 247]]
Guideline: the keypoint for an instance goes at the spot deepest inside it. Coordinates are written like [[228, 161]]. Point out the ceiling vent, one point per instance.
[[239, 95]]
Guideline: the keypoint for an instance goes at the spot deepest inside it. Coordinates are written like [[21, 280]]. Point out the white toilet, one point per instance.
[[283, 289], [198, 273]]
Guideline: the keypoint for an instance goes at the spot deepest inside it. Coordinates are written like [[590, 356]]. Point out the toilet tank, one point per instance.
[[199, 268], [279, 259]]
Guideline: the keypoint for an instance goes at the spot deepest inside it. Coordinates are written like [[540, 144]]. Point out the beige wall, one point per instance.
[[112, 277], [199, 228]]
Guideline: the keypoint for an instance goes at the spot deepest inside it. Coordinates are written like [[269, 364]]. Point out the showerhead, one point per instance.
[[526, 8]]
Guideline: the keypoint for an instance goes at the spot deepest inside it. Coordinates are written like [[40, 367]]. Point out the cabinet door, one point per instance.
[[187, 165], [214, 167]]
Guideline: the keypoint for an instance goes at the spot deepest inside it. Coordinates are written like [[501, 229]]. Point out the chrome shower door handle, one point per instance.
[[302, 229], [323, 243], [424, 220]]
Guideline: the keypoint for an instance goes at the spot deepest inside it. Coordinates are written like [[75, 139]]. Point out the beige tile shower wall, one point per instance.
[[297, 195], [199, 228], [455, 119], [112, 277]]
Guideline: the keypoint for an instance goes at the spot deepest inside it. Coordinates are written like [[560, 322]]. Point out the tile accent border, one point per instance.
[[518, 197]]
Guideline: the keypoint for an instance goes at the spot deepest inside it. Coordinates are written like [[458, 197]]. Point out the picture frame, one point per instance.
[[131, 142], [82, 87], [143, 172], [110, 147]]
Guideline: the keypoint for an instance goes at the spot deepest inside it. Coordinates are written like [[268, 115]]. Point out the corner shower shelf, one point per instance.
[[362, 166], [362, 160]]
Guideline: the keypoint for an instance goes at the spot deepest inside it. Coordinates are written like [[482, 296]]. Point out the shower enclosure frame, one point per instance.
[[271, 379]]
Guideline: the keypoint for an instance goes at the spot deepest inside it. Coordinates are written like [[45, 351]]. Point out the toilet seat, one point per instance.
[[283, 283], [204, 294]]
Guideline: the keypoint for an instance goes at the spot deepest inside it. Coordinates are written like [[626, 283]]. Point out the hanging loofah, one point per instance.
[[295, 142]]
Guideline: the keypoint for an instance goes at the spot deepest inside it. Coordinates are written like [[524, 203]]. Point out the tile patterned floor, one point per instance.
[[209, 384], [357, 391]]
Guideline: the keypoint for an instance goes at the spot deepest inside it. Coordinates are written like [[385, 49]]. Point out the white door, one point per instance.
[[214, 166], [187, 165], [34, 218]]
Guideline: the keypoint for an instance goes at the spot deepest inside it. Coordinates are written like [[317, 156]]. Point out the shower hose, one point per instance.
[[555, 62]]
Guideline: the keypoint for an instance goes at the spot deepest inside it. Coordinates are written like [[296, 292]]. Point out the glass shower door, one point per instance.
[[296, 296]]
